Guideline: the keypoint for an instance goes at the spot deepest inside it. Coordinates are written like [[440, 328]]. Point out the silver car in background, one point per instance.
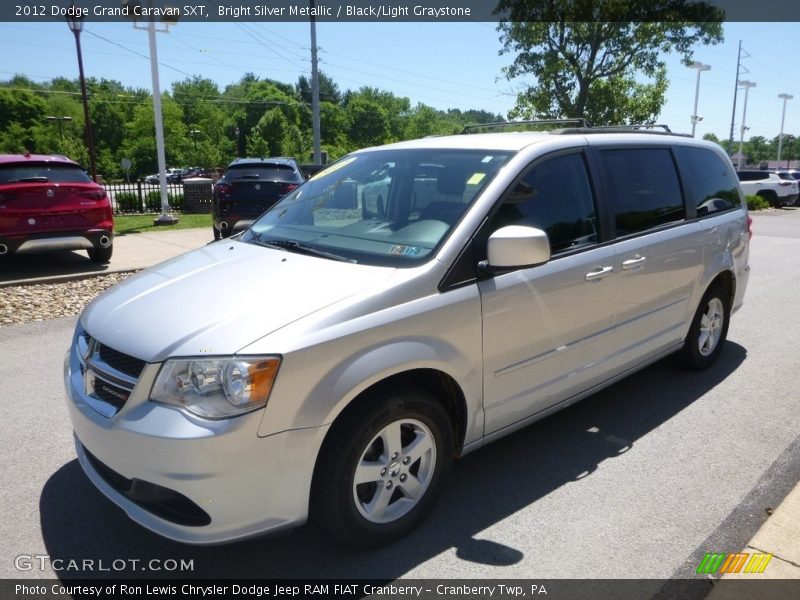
[[400, 309]]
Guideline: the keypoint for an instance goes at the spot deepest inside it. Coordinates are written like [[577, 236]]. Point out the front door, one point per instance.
[[548, 329]]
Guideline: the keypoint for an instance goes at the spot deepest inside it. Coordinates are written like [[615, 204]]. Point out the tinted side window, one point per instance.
[[713, 185], [554, 196], [752, 175], [645, 191]]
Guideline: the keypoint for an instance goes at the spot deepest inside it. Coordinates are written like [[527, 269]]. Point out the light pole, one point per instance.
[[165, 218], [785, 98], [194, 133], [76, 26], [700, 68], [746, 85], [61, 130]]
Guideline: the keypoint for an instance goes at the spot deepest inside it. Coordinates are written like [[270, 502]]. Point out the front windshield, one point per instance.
[[381, 207]]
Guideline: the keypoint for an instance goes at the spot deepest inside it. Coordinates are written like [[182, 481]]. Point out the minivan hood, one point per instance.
[[220, 298]]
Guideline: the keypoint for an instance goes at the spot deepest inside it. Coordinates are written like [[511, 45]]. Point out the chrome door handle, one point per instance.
[[599, 273], [633, 263]]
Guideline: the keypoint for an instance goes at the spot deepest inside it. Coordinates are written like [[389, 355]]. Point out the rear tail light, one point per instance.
[[93, 194], [288, 187], [749, 227], [785, 183], [223, 188]]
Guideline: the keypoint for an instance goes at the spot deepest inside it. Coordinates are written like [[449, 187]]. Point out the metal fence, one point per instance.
[[190, 196], [140, 197]]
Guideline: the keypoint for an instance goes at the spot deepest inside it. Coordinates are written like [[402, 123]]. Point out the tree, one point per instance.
[[600, 61], [328, 89], [758, 149], [369, 123]]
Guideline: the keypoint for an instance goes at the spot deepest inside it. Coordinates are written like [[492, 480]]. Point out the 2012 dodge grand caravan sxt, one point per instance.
[[402, 308]]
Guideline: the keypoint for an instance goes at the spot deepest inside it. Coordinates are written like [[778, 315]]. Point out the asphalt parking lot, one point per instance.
[[637, 481]]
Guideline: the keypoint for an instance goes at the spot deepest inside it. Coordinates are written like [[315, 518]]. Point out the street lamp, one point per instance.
[[165, 218], [745, 85], [75, 23], [194, 133], [61, 130], [700, 68], [785, 98]]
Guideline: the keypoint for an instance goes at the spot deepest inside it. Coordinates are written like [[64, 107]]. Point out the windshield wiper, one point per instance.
[[293, 246]]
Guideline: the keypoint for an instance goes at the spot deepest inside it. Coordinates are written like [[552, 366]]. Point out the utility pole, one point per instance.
[[736, 92], [746, 85], [315, 88]]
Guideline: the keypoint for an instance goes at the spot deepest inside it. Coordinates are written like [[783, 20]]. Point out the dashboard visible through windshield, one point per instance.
[[383, 207]]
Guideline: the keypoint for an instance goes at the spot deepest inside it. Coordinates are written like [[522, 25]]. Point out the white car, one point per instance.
[[778, 190], [332, 360]]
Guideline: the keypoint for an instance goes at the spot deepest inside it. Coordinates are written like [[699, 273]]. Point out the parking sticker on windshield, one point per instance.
[[398, 250], [476, 178]]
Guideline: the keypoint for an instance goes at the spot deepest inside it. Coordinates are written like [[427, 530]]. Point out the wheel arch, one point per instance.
[[439, 384]]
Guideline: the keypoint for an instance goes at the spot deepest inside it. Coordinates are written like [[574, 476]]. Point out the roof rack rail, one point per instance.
[[637, 126], [644, 129], [579, 122]]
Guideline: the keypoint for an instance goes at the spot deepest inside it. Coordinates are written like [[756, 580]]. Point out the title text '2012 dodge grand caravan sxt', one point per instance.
[[403, 307]]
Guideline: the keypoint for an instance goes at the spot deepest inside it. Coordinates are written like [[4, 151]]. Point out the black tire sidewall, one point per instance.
[[101, 255], [691, 351], [354, 433]]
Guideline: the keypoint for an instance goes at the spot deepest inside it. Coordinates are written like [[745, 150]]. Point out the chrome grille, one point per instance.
[[108, 374], [121, 362]]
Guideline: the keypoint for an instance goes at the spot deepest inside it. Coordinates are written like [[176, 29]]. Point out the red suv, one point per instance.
[[50, 203]]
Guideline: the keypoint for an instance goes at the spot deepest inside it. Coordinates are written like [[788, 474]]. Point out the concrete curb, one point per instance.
[[778, 536]]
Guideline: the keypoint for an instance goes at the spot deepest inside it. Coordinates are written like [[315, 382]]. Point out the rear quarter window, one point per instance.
[[711, 182], [644, 188], [752, 175]]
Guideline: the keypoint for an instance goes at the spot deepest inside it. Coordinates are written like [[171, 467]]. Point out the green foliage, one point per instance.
[[128, 202], [756, 203], [369, 123], [600, 61], [152, 201], [201, 121]]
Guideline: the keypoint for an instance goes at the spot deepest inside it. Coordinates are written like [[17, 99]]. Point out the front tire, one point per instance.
[[382, 467], [709, 329]]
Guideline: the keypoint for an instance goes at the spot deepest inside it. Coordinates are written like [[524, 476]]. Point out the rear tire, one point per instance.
[[709, 329], [381, 469], [771, 198], [217, 234], [100, 255]]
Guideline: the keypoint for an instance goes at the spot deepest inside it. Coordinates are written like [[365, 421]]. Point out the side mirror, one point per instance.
[[515, 247]]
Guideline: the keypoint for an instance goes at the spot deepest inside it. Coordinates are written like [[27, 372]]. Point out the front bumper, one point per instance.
[[243, 484]]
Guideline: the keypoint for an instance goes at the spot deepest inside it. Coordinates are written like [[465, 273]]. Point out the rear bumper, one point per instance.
[[789, 200], [55, 241]]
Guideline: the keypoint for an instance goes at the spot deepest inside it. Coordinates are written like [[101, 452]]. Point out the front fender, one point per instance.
[[315, 384]]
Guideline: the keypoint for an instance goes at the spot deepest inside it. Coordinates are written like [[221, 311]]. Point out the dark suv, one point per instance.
[[49, 203], [248, 187]]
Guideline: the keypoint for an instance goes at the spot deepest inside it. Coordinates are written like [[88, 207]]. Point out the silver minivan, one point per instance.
[[403, 307]]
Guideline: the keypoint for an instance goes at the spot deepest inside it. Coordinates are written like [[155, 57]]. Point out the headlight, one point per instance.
[[216, 388]]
